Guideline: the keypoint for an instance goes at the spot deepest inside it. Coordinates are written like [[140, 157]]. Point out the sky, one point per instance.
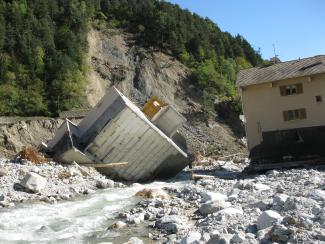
[[296, 28]]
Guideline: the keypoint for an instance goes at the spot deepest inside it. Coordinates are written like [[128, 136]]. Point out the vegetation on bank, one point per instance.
[[43, 45]]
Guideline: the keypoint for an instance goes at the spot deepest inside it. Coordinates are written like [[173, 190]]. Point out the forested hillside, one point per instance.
[[43, 46]]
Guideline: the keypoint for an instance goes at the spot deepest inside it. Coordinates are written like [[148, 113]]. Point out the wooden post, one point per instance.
[[108, 165]]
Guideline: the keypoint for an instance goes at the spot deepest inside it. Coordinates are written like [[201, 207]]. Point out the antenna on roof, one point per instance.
[[275, 58]]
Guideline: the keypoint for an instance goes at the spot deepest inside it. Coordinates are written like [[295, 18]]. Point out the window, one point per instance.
[[291, 89], [319, 98], [296, 114]]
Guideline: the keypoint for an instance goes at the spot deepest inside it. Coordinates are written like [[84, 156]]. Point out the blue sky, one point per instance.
[[295, 27]]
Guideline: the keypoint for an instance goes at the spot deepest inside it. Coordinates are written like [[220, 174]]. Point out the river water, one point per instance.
[[82, 220]]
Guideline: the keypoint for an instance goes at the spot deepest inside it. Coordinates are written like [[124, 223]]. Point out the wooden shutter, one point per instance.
[[299, 88], [282, 90], [302, 113], [285, 116]]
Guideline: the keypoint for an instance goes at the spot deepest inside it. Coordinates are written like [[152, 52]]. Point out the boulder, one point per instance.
[[118, 225], [268, 218], [220, 239], [193, 237], [290, 204], [212, 207], [3, 172], [33, 182], [170, 224], [135, 240], [153, 193], [231, 211], [239, 237], [318, 195], [279, 199], [212, 196], [280, 233], [135, 218], [261, 187], [104, 183], [263, 205]]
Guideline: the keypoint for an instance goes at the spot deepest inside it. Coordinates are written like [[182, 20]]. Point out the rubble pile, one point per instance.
[[22, 180], [278, 206]]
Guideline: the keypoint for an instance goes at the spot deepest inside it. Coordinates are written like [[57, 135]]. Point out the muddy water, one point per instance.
[[83, 220]]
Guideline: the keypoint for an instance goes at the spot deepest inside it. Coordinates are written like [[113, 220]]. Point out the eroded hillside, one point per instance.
[[140, 73]]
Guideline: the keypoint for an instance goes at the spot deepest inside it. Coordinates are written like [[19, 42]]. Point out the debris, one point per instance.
[[108, 165], [32, 155], [116, 130]]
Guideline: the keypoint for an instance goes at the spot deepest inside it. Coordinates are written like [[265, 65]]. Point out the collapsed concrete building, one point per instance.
[[116, 130]]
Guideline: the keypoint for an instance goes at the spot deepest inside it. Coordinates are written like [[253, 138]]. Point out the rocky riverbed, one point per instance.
[[278, 206], [228, 207], [24, 181]]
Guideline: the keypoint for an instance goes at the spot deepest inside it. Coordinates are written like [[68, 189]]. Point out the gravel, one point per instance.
[[283, 206], [22, 181]]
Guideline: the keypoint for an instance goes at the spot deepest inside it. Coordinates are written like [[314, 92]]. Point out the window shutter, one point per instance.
[[299, 88], [285, 115], [303, 114], [282, 90]]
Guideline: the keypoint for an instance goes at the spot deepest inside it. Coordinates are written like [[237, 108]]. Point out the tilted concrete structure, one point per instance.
[[116, 130]]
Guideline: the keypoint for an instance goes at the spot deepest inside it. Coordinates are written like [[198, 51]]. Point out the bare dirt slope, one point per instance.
[[15, 136]]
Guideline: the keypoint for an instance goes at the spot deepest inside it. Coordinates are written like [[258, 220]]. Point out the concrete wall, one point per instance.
[[263, 106]]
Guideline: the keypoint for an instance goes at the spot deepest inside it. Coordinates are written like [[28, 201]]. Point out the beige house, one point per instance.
[[284, 108]]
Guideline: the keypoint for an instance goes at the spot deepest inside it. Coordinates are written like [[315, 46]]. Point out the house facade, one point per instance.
[[284, 108]]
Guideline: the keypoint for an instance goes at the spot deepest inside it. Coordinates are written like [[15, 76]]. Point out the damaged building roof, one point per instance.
[[280, 71]]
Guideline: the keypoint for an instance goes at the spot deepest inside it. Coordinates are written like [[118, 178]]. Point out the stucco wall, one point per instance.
[[264, 105]]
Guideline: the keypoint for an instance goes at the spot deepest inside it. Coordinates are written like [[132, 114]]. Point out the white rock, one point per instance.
[[3, 171], [73, 171], [212, 196], [193, 237], [261, 187], [135, 240], [212, 207], [104, 183], [33, 182], [222, 239], [280, 199], [268, 218], [230, 211], [238, 238], [35, 169], [118, 225], [318, 195]]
